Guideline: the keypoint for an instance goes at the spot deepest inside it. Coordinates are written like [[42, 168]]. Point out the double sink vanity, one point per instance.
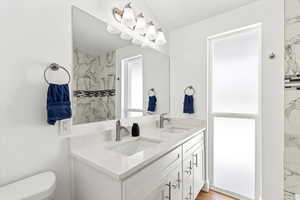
[[163, 163], [116, 79]]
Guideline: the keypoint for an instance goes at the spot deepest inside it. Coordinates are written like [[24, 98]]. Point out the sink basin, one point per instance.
[[175, 129], [135, 146]]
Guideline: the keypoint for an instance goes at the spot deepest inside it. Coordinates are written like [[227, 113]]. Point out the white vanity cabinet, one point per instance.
[[156, 180], [198, 170], [193, 167], [188, 179], [177, 175]]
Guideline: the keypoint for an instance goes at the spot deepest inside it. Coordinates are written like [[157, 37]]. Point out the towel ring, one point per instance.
[[189, 88], [151, 90], [56, 67]]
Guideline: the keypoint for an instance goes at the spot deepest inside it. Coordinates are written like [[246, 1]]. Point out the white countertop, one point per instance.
[[95, 152]]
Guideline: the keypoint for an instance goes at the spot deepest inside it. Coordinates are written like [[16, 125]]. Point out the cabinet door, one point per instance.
[[170, 187], [188, 179], [161, 192], [198, 168], [176, 184]]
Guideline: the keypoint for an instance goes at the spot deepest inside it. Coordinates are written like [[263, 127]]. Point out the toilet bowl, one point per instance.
[[38, 187]]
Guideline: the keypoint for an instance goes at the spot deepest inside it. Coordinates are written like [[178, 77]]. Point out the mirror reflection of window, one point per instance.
[[132, 87]]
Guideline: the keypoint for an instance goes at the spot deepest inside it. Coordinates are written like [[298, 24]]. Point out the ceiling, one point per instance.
[[176, 13], [90, 35]]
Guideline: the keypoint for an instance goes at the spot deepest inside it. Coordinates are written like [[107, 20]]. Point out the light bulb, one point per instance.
[[140, 27], [128, 17], [125, 36], [146, 43], [137, 41], [111, 29], [151, 32], [160, 39]]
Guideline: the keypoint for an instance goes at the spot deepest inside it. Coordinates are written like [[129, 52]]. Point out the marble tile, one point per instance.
[[292, 102], [93, 87]]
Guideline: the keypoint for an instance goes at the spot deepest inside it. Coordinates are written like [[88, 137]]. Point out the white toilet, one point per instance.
[[38, 187]]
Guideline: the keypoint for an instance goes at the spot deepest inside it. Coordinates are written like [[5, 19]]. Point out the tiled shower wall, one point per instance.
[[93, 86], [292, 102]]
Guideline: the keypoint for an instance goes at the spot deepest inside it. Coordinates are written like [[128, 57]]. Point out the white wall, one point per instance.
[[34, 34], [188, 51], [273, 100]]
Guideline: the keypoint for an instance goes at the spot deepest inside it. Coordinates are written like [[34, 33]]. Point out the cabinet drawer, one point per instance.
[[138, 186], [190, 145]]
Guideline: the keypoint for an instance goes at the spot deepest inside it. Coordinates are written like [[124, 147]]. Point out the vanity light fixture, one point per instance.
[[113, 30], [139, 27], [125, 36], [160, 39], [151, 32], [128, 17], [137, 41]]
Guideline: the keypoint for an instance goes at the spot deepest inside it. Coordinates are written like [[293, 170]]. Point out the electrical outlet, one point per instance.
[[65, 127]]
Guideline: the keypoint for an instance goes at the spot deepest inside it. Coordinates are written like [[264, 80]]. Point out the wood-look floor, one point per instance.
[[212, 195]]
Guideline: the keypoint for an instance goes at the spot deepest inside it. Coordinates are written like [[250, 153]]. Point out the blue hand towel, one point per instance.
[[152, 103], [58, 103], [188, 105]]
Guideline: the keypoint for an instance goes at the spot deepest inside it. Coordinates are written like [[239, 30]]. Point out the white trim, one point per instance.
[[228, 193], [256, 117], [235, 31], [235, 115], [124, 84]]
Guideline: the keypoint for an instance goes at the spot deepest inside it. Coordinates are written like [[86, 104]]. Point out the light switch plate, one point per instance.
[[64, 127]]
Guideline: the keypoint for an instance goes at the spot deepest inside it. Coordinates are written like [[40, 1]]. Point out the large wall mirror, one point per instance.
[[112, 77]]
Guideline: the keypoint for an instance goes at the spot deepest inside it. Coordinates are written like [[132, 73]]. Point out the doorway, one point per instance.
[[234, 113], [132, 87]]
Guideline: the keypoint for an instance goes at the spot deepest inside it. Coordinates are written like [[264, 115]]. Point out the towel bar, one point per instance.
[[151, 90], [56, 67], [189, 88]]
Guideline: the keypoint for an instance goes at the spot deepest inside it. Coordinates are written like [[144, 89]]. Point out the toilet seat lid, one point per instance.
[[37, 187]]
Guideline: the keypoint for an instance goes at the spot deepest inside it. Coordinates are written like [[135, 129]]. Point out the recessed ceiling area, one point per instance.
[[176, 13]]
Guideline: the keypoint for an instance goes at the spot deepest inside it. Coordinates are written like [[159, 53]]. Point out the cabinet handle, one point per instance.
[[170, 191], [191, 193], [188, 172], [196, 156], [178, 179]]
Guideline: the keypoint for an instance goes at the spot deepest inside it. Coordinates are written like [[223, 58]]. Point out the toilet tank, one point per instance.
[[37, 187]]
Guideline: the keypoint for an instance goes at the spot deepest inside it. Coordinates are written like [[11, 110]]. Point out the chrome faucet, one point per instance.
[[119, 127], [162, 119]]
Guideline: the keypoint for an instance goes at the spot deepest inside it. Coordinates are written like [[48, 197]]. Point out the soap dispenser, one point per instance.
[[135, 130]]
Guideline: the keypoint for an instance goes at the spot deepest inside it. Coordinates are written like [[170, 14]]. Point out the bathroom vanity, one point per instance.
[[166, 163], [114, 79]]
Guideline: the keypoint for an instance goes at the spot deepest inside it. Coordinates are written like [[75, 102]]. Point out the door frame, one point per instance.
[[257, 118], [124, 86]]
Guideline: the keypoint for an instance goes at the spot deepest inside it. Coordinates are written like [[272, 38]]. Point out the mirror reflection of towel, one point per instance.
[[58, 103], [152, 103], [188, 105]]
